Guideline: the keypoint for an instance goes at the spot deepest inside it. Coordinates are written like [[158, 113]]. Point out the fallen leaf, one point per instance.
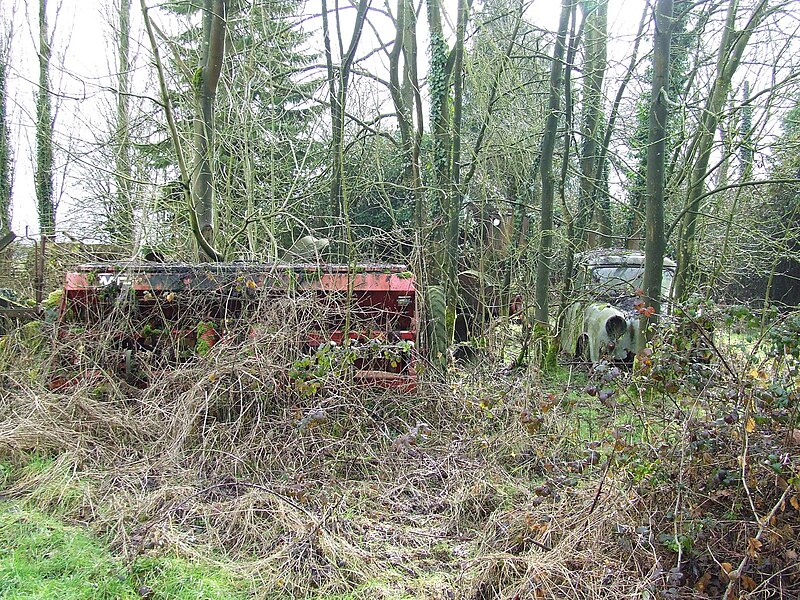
[[753, 546], [701, 584], [726, 568], [750, 426], [795, 502], [748, 583]]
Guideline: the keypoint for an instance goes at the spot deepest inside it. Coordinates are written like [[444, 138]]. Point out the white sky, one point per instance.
[[82, 73], [84, 64]]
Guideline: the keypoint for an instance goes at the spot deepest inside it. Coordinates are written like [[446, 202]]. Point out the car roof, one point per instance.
[[599, 257]]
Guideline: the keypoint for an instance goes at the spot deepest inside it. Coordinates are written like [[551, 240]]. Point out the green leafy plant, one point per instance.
[[207, 337], [310, 372]]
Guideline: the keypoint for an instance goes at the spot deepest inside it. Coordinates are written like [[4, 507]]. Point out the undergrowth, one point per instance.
[[675, 479]]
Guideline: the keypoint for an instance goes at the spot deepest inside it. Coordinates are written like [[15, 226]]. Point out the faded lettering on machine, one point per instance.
[[119, 279]]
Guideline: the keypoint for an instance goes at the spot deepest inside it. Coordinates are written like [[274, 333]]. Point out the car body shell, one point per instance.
[[603, 320]]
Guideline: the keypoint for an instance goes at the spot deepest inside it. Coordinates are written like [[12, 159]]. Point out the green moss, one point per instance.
[[53, 299], [197, 79], [206, 337]]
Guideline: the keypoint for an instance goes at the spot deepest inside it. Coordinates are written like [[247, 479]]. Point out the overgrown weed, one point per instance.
[[497, 484]]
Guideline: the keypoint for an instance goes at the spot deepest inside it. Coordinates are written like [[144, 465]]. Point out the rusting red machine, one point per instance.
[[182, 310]]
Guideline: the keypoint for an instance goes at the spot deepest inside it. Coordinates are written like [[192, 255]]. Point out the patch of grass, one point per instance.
[[42, 558], [5, 473], [51, 484], [171, 578]]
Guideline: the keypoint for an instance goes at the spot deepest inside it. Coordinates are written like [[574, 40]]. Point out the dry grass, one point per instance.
[[217, 458], [214, 458]]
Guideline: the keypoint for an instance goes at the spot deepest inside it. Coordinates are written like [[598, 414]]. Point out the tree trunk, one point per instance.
[[43, 176], [591, 170], [338, 81], [205, 87], [745, 174], [457, 193], [404, 89], [731, 49], [546, 231], [122, 212], [439, 89], [6, 161], [573, 243], [183, 168], [655, 243]]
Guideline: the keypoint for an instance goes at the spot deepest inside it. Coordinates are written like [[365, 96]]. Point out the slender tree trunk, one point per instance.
[[546, 229], [43, 176], [457, 194], [333, 95], [405, 95], [745, 173], [414, 90], [6, 158], [573, 243], [338, 81], [439, 86], [205, 85], [594, 74], [655, 244], [399, 85], [746, 135], [603, 202], [180, 155], [731, 49], [122, 217]]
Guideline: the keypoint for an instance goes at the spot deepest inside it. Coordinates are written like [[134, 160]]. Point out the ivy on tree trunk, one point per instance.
[[44, 133]]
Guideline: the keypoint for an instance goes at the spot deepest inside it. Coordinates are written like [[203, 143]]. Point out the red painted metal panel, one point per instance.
[[380, 298]]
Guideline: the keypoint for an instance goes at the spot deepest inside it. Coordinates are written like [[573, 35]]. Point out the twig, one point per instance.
[[708, 340], [544, 547], [762, 527], [602, 481]]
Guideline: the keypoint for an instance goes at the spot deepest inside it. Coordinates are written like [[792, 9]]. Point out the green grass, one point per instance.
[[42, 558]]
